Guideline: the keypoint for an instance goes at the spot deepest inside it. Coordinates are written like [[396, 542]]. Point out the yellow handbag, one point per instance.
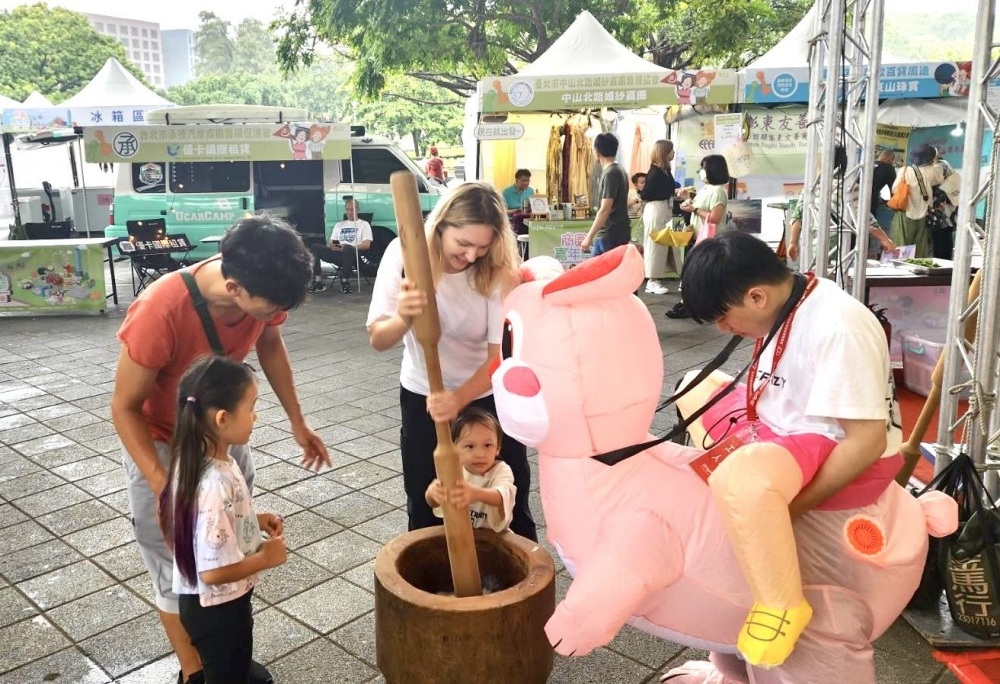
[[672, 238]]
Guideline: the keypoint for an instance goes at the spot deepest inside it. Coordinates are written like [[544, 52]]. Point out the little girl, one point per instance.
[[207, 517], [487, 487]]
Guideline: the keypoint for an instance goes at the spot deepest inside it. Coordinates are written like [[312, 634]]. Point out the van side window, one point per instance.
[[371, 165], [150, 177], [210, 176]]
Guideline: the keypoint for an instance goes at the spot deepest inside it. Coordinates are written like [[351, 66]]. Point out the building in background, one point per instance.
[[179, 56], [142, 41]]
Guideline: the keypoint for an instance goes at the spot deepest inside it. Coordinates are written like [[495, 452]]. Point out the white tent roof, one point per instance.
[[793, 49], [946, 111], [114, 86], [6, 102], [587, 49], [36, 101]]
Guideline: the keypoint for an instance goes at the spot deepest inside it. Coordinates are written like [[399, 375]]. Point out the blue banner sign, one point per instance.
[[923, 80]]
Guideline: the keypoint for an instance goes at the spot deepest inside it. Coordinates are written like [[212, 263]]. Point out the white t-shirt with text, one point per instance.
[[226, 531], [469, 322], [351, 232], [835, 366], [497, 518]]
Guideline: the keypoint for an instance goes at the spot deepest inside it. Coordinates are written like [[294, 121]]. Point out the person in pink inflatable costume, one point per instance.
[[645, 539]]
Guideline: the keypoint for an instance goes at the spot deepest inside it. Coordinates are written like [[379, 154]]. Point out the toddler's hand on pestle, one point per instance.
[[435, 493], [460, 495]]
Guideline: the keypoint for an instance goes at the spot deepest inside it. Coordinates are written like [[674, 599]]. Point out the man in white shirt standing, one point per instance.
[[347, 238]]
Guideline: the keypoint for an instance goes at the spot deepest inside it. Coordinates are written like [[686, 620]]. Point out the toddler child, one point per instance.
[[487, 487]]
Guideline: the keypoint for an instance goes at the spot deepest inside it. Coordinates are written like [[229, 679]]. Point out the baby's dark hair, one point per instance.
[[211, 383], [476, 416]]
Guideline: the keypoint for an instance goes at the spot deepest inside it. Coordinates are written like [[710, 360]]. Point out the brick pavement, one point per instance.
[[75, 604]]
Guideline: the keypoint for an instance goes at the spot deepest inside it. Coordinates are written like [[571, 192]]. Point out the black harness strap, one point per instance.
[[617, 456], [202, 308]]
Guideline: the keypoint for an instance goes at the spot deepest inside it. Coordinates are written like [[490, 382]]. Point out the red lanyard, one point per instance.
[[754, 395]]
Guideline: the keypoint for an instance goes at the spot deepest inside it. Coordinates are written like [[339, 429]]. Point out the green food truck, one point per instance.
[[201, 168]]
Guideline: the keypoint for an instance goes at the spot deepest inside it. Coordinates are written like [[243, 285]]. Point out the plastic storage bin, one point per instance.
[[921, 350]]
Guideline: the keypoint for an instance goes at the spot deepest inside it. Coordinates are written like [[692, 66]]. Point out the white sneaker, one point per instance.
[[654, 287]]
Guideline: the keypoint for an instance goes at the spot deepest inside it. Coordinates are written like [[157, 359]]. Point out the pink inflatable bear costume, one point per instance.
[[581, 375]]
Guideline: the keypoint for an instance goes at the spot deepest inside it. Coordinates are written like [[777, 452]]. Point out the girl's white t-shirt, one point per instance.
[[835, 366], [226, 531], [469, 322]]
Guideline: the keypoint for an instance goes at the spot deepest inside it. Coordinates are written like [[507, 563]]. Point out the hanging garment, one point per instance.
[[567, 162], [553, 166], [642, 149], [583, 159]]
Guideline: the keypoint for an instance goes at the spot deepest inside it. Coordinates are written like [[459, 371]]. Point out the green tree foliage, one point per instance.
[[454, 43], [426, 113], [53, 51], [928, 37], [213, 45], [224, 49]]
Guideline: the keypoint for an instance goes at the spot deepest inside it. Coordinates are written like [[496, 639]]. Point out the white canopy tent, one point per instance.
[[113, 89], [947, 111], [793, 49], [36, 99], [586, 48]]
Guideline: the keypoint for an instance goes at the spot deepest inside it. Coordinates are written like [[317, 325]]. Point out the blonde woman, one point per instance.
[[658, 195], [474, 262]]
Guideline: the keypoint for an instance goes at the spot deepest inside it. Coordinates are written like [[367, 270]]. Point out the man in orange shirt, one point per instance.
[[262, 272]]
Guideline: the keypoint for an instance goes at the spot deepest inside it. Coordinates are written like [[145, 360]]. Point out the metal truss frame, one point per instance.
[[844, 67], [980, 423]]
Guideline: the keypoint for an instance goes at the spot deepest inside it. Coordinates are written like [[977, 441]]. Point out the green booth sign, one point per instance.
[[217, 142]]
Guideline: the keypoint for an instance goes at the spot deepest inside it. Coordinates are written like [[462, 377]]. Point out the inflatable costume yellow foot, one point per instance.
[[769, 634]]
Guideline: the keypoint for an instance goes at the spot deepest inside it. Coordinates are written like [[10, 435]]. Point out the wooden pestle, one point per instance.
[[910, 450], [427, 329]]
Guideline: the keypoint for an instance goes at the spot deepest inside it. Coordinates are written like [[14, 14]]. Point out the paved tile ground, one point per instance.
[[75, 604]]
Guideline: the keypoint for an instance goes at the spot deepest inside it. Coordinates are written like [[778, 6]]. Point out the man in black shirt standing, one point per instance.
[[612, 226]]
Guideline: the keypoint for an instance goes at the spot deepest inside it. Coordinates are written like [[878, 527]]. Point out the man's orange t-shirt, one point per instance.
[[162, 332]]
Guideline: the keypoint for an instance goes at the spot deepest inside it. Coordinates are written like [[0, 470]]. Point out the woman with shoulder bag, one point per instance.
[[658, 196], [909, 226], [707, 207]]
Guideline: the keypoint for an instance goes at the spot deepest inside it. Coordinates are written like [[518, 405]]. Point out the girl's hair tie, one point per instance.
[[192, 400]]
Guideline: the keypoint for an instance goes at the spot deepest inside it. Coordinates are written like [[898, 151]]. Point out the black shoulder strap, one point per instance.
[[202, 308], [619, 455], [920, 182]]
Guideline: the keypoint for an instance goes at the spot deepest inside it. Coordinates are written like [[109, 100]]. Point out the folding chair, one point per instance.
[[149, 249]]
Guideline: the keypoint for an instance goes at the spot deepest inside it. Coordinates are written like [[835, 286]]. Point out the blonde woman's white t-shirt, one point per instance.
[[469, 322]]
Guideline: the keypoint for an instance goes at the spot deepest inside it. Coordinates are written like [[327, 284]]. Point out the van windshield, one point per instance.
[[210, 176], [371, 165]]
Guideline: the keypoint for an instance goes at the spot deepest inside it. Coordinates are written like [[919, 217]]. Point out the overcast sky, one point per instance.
[[184, 13]]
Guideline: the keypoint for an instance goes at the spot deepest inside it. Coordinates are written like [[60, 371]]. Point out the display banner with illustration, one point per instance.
[[545, 93], [918, 80], [25, 120], [562, 239], [218, 142], [52, 275]]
